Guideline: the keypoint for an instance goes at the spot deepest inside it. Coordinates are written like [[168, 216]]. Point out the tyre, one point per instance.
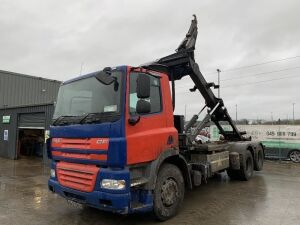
[[247, 167], [233, 174], [246, 170], [259, 161], [168, 192], [294, 156]]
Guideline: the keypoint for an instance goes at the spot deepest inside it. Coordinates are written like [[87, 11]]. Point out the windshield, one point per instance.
[[89, 98]]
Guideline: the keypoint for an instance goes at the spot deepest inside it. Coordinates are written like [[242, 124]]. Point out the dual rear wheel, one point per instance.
[[247, 166], [246, 169]]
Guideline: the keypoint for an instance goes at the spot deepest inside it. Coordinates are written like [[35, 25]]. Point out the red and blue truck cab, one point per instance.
[[100, 148]]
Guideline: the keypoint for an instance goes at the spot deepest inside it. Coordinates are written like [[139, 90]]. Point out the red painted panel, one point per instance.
[[149, 137], [80, 156]]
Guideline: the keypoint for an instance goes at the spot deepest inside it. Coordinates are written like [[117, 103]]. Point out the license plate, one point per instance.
[[74, 204]]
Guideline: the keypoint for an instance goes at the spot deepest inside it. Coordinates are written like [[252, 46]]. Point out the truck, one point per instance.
[[116, 145]]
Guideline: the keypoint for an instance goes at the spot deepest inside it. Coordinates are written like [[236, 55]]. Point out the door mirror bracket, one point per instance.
[[134, 119]]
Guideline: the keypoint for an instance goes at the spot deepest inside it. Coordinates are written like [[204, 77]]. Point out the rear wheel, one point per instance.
[[259, 161], [246, 170], [168, 192], [294, 156]]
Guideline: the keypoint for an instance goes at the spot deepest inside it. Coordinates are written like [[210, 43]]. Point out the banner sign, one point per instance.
[[273, 136]]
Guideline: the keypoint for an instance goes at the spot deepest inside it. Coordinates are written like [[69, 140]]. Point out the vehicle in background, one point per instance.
[[280, 141]]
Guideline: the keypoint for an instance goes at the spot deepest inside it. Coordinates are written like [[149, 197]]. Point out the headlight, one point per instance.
[[52, 173], [113, 184]]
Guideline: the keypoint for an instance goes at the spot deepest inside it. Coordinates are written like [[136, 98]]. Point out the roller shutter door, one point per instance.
[[32, 120]]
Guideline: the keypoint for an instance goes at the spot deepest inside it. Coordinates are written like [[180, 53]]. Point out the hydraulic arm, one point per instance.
[[182, 63]]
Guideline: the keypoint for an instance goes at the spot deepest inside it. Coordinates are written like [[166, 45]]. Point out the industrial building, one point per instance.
[[26, 109]]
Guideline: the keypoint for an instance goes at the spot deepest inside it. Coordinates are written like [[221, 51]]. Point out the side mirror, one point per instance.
[[143, 86], [143, 107], [105, 78]]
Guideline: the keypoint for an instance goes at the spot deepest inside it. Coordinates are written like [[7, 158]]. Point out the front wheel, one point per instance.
[[168, 192], [294, 156]]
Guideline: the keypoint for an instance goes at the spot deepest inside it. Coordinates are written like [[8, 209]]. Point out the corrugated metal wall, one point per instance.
[[8, 148], [20, 90]]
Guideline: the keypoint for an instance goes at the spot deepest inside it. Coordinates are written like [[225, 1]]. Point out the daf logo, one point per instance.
[[102, 141], [56, 140]]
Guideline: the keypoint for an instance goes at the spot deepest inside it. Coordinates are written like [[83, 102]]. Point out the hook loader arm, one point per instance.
[[182, 63]]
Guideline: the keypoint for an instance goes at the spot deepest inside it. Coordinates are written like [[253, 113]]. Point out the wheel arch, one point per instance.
[[242, 147], [168, 156], [293, 149], [180, 162]]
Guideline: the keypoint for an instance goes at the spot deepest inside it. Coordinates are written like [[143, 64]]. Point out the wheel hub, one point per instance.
[[295, 156], [169, 192]]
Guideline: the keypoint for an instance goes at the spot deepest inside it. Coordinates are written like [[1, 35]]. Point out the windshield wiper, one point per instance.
[[86, 116], [59, 119], [100, 117]]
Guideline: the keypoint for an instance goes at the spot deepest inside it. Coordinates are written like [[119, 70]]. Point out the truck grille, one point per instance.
[[93, 149], [78, 143], [77, 176]]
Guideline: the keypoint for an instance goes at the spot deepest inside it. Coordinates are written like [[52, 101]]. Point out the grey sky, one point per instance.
[[54, 38]]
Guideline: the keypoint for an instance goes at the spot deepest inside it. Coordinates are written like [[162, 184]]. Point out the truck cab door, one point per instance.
[[150, 135]]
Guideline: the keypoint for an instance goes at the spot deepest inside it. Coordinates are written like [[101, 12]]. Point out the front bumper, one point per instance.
[[124, 201], [113, 202]]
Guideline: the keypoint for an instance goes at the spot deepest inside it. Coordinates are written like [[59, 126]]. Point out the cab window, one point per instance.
[[155, 94]]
